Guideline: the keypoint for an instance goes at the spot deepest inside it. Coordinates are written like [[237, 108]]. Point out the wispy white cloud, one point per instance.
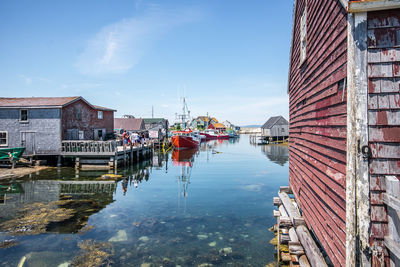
[[28, 80], [116, 48]]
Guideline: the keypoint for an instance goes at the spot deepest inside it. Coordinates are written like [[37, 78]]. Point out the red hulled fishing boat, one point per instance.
[[185, 139]]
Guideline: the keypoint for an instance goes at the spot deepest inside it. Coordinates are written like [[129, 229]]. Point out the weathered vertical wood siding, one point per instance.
[[87, 121], [318, 122], [383, 111]]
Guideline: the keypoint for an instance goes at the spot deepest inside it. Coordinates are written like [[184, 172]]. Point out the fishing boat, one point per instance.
[[185, 139], [212, 135], [13, 153]]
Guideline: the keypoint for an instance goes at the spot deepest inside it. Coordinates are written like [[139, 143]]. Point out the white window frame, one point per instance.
[[20, 115], [6, 144], [303, 37], [100, 114]]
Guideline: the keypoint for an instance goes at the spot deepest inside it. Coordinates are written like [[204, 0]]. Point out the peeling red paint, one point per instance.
[[396, 69], [383, 104], [382, 118], [372, 88]]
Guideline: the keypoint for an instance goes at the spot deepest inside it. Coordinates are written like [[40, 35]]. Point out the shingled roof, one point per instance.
[[45, 102], [36, 101], [277, 120], [129, 124]]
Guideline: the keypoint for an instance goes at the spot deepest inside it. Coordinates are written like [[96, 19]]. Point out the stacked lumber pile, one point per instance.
[[295, 244]]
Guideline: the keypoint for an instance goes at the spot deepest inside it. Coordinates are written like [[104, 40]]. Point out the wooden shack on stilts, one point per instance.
[[344, 129]]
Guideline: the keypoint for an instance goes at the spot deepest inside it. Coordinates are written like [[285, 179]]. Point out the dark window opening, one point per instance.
[[23, 115], [78, 114]]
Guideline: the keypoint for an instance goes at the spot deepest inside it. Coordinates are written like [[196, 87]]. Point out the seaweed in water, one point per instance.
[[34, 218], [94, 254], [8, 243]]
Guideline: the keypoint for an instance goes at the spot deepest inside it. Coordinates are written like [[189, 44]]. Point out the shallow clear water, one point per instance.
[[208, 206]]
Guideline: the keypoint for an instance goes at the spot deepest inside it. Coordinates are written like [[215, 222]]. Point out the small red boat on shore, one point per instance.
[[185, 139]]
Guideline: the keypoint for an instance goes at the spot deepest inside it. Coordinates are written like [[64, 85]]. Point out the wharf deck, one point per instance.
[[103, 153]]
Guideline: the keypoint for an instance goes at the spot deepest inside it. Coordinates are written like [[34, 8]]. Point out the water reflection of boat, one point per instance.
[[183, 157], [278, 154]]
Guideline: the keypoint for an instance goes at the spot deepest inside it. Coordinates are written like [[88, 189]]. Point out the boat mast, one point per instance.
[[183, 116]]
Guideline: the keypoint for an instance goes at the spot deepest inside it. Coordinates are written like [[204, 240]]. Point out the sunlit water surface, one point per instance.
[[209, 206]]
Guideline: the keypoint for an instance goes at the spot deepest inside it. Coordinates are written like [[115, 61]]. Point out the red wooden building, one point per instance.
[[82, 120], [344, 160]]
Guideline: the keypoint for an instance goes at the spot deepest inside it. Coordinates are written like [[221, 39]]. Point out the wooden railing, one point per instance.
[[82, 146]]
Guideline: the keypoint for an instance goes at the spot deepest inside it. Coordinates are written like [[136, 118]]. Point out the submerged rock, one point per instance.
[[144, 238], [205, 265], [212, 244], [253, 187], [225, 251], [64, 264], [202, 237], [146, 264], [44, 259], [119, 237]]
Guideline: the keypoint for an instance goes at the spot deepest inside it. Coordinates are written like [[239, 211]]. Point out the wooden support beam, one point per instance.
[[368, 6], [285, 238], [283, 211], [285, 189], [312, 251], [310, 247], [285, 221], [277, 201], [393, 246], [357, 168], [289, 207], [303, 261], [285, 257], [391, 201], [296, 249], [298, 221], [277, 213], [293, 235]]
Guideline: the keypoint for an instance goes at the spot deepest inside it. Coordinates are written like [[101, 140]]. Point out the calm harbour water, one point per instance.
[[188, 208]]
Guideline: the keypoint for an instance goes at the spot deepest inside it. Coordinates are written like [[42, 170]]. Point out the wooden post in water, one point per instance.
[[77, 163], [131, 156]]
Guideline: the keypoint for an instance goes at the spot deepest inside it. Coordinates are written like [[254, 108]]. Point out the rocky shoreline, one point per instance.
[[8, 173]]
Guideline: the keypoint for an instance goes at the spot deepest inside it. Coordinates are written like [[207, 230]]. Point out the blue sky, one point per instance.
[[229, 58]]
